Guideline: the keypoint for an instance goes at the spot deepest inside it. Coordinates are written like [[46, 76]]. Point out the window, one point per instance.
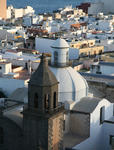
[[111, 142], [1, 135], [98, 68], [102, 114], [100, 52], [46, 101], [54, 100], [67, 57], [36, 100], [55, 57], [63, 125], [94, 52]]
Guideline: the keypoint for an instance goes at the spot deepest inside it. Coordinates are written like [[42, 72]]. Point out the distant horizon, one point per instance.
[[41, 6]]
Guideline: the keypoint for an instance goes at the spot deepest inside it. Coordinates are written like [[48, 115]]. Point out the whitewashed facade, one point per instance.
[[101, 127]]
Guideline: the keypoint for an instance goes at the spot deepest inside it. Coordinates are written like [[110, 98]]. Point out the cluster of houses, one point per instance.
[[73, 41]]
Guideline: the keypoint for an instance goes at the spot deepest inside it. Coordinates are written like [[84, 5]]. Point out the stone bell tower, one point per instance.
[[43, 117]]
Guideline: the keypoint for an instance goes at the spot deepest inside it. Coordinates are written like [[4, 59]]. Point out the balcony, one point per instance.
[[46, 112]]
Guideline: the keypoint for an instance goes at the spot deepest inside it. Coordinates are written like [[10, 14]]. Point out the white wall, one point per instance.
[[108, 129], [10, 85], [43, 45], [18, 12], [27, 21], [8, 13], [104, 25], [5, 68], [107, 70], [29, 10], [96, 140], [108, 44]]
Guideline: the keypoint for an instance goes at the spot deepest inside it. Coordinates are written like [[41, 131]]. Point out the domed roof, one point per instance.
[[43, 75], [72, 86], [60, 43]]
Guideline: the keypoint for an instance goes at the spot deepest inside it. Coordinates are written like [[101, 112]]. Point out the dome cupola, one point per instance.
[[72, 86], [60, 54]]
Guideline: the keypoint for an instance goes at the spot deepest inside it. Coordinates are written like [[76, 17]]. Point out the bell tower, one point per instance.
[[44, 115]]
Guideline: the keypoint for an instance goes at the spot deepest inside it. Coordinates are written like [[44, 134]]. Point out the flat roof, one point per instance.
[[5, 63], [106, 63], [23, 75]]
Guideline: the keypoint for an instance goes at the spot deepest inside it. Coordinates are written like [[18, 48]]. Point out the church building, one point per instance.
[[39, 126]]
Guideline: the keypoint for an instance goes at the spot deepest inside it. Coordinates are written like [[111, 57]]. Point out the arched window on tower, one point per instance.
[[46, 101], [55, 57], [36, 100], [1, 136], [54, 100]]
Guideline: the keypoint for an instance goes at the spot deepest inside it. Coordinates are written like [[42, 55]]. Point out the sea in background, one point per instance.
[[42, 6]]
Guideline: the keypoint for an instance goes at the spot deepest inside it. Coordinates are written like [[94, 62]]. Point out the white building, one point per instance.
[[108, 44], [9, 77], [19, 12], [105, 25], [16, 72], [27, 21], [104, 68], [93, 117], [9, 85], [5, 68]]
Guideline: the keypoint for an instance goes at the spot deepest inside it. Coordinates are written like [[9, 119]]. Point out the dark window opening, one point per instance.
[[36, 100], [111, 141], [46, 102], [1, 136], [67, 57], [54, 100], [26, 65], [55, 57], [100, 52], [102, 114], [63, 125]]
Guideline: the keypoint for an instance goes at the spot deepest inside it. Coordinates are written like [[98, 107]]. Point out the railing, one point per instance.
[[44, 111], [69, 63]]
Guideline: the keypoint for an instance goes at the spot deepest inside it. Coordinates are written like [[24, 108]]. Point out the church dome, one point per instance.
[[72, 86], [60, 43]]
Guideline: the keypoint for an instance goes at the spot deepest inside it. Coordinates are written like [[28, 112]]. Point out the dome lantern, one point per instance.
[[60, 54]]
